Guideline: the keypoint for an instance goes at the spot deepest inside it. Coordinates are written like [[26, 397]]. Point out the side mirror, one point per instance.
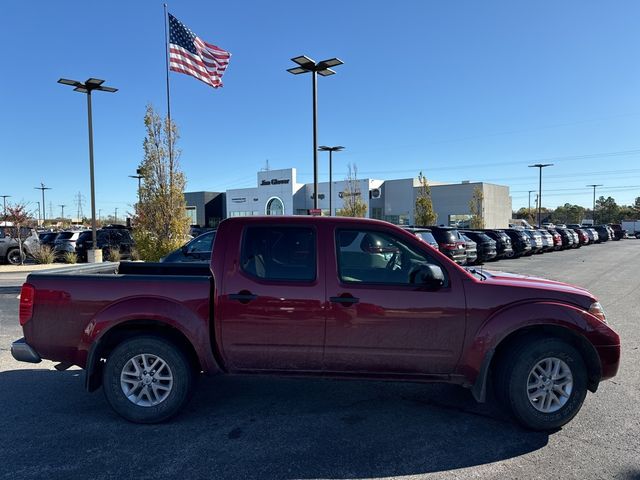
[[428, 276]]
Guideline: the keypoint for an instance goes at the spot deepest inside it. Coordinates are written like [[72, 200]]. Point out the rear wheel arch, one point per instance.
[[105, 344]]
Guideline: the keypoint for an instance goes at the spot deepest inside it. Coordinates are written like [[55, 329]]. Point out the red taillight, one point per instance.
[[449, 246], [27, 296]]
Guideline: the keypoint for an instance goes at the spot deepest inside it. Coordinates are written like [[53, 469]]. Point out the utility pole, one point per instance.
[[529, 210], [115, 217], [38, 213], [540, 166], [593, 215], [43, 188], [62, 212], [4, 200], [79, 203]]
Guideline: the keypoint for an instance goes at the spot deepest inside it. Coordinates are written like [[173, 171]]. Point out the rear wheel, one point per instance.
[[543, 381], [147, 379], [14, 257]]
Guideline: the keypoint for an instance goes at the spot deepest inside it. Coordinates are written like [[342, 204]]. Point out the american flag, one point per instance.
[[189, 54]]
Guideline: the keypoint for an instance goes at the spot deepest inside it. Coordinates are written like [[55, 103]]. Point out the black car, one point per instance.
[[109, 238], [503, 242], [424, 234], [195, 250], [603, 233], [486, 247], [48, 239], [450, 243], [520, 242]]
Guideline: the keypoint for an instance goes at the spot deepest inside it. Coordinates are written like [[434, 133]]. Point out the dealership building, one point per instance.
[[278, 192]]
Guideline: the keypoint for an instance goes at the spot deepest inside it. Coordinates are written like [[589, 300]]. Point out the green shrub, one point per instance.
[[135, 256], [44, 255], [152, 249], [70, 257]]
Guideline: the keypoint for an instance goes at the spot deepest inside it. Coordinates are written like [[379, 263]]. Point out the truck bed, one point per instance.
[[72, 304]]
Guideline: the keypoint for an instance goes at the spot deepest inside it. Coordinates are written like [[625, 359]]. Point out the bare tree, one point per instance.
[[353, 204], [18, 215]]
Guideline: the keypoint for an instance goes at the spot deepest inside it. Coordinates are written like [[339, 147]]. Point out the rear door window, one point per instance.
[[279, 253]]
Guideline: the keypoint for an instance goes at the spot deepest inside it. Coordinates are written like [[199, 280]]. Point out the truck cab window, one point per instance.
[[377, 257], [279, 253]]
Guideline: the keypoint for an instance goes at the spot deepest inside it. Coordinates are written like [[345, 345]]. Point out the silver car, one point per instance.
[[10, 247]]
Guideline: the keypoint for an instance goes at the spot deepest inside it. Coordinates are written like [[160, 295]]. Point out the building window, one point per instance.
[[193, 215], [275, 207], [376, 212]]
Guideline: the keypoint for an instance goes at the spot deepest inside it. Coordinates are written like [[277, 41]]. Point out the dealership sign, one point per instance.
[[275, 181]]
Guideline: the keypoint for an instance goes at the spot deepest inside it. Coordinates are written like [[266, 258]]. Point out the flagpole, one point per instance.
[[166, 59]]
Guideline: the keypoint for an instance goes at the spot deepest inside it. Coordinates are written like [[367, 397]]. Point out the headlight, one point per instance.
[[597, 311]]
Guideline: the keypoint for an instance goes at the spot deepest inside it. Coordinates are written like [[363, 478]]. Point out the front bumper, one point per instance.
[[23, 352], [609, 360]]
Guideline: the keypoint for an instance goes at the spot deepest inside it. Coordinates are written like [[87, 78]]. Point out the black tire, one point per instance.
[[180, 370], [513, 373], [14, 257]]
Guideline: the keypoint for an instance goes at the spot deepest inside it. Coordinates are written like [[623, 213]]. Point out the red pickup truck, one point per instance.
[[317, 296]]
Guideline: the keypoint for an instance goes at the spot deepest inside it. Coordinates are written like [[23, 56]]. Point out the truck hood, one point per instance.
[[549, 288]]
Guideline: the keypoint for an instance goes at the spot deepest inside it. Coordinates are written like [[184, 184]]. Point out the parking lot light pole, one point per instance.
[[4, 201], [540, 166], [43, 188], [321, 68], [139, 177], [87, 87], [324, 148], [593, 212]]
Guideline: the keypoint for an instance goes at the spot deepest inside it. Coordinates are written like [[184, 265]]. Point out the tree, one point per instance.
[[353, 205], [19, 216], [423, 212], [475, 208], [607, 210], [568, 213], [160, 221]]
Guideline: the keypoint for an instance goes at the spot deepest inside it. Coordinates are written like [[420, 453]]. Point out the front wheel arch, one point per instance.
[[494, 356]]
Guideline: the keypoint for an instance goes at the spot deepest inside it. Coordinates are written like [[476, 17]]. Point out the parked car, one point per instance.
[[537, 246], [583, 237], [425, 235], [110, 237], [548, 243], [632, 227], [282, 295], [10, 246], [503, 242], [603, 233], [48, 239], [486, 247], [618, 232], [450, 243], [593, 235], [520, 241], [567, 237], [66, 242], [471, 249], [196, 250], [557, 238]]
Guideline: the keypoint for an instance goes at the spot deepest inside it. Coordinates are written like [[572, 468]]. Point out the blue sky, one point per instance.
[[461, 90]]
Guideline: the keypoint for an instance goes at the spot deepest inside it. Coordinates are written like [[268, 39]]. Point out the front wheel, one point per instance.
[[14, 257], [543, 381], [147, 379]]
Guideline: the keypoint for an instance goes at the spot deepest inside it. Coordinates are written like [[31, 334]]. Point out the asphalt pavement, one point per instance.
[[275, 428]]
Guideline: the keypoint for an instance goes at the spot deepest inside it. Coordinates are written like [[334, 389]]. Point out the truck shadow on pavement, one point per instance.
[[243, 427]]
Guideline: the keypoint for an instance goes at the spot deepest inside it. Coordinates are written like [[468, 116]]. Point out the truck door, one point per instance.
[[378, 319], [272, 308]]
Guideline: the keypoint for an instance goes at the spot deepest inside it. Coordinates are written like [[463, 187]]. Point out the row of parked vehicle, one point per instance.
[[108, 238], [469, 247]]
